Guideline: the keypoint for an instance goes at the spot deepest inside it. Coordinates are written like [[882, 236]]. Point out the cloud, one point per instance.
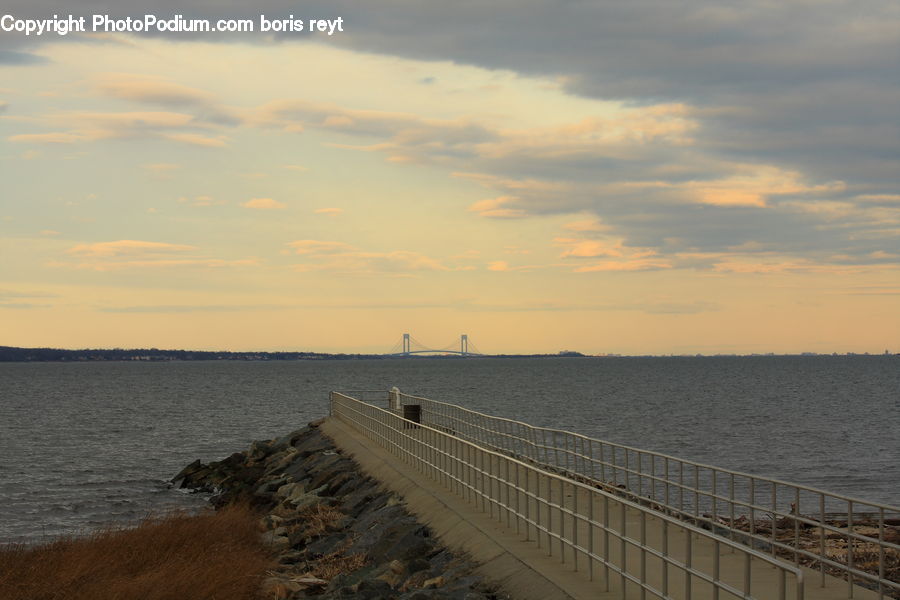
[[330, 212], [319, 247], [334, 256], [590, 248], [192, 308], [126, 248], [616, 255], [880, 198], [194, 139], [502, 266], [587, 225], [87, 126], [403, 137], [46, 138], [7, 294], [157, 91], [13, 58], [151, 90], [497, 208], [625, 265], [49, 232], [631, 171], [208, 263], [201, 201], [136, 254], [712, 141], [161, 167], [264, 204], [161, 171]]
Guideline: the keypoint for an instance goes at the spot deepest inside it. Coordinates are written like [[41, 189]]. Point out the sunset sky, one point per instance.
[[608, 177]]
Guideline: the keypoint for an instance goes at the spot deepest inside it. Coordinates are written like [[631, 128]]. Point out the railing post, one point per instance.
[[394, 399]]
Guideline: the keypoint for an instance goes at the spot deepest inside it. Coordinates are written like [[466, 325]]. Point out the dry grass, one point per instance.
[[175, 557], [318, 518], [331, 565]]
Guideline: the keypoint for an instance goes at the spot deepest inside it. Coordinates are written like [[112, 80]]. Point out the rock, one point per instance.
[[268, 488], [271, 521], [286, 442], [369, 589], [396, 566], [377, 549], [290, 557], [892, 535], [188, 470], [300, 500], [414, 581], [278, 543], [259, 450], [365, 498], [285, 459], [391, 578], [324, 545], [289, 490]]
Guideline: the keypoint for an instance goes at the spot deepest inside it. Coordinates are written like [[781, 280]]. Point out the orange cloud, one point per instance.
[[264, 204], [496, 208], [83, 126], [159, 264], [342, 257], [753, 186], [194, 139], [126, 248], [626, 265], [331, 212], [319, 247]]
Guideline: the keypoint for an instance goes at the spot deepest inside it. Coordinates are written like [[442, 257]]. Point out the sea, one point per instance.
[[95, 444]]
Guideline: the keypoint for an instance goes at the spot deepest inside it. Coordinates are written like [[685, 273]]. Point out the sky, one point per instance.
[[647, 177]]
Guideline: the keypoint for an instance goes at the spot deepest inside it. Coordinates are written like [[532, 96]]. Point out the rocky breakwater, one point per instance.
[[336, 532]]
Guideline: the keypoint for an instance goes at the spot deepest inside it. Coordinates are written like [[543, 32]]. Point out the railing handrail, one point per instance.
[[797, 572], [628, 503], [706, 488], [886, 507]]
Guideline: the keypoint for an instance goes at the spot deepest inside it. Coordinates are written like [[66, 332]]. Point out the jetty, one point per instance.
[[554, 514]]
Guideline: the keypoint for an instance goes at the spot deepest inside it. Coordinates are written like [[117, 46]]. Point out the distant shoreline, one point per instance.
[[16, 354]]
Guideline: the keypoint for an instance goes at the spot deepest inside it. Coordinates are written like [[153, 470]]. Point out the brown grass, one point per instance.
[[175, 557], [331, 565], [318, 518]]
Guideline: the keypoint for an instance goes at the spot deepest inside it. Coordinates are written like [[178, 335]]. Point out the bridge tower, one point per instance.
[[464, 344], [406, 344]]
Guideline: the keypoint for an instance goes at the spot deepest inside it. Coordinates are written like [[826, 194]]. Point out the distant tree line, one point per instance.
[[12, 354]]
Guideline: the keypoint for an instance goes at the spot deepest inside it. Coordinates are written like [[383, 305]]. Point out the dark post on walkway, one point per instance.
[[412, 412]]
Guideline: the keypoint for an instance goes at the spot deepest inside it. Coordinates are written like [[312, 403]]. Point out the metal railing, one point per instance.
[[836, 535], [630, 547]]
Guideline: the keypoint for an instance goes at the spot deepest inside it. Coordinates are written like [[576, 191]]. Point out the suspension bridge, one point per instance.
[[408, 345]]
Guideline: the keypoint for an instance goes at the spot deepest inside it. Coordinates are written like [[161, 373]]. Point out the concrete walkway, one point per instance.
[[544, 568]]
